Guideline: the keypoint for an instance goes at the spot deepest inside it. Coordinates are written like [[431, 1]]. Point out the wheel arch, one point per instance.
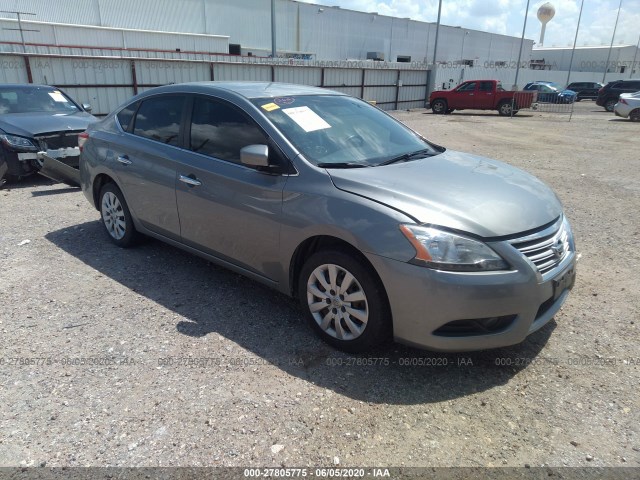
[[439, 99], [100, 181], [318, 243]]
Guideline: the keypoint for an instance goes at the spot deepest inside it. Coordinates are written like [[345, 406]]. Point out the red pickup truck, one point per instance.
[[480, 95]]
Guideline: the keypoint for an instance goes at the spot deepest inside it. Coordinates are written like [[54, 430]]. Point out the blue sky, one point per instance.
[[506, 17]]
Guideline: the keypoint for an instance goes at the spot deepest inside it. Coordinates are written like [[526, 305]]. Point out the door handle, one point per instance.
[[192, 182], [124, 159]]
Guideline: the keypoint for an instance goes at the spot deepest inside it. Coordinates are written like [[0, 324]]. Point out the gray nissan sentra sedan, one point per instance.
[[378, 232]]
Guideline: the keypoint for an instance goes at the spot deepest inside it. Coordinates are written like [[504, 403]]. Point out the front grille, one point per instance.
[[54, 141], [547, 248]]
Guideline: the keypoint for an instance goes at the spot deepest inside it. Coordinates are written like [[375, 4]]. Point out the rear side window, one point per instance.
[[126, 115], [220, 130], [486, 86], [159, 118]]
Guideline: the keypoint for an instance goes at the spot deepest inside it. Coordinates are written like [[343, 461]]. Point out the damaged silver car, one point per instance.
[[40, 123]]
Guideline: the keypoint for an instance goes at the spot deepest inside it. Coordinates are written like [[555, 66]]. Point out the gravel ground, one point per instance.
[[187, 364]]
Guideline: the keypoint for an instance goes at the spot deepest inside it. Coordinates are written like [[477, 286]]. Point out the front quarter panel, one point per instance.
[[312, 206]]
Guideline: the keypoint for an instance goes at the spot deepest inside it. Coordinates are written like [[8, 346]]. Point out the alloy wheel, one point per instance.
[[337, 302], [113, 215]]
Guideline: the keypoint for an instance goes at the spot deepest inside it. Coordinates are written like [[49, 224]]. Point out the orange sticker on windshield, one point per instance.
[[270, 107]]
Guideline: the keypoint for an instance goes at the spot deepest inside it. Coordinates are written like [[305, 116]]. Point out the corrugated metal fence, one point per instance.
[[107, 81]]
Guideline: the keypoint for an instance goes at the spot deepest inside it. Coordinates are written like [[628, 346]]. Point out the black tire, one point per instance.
[[116, 216], [634, 116], [504, 109], [377, 327], [609, 104], [439, 107]]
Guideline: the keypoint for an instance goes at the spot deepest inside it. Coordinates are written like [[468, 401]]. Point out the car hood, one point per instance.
[[459, 191], [31, 124]]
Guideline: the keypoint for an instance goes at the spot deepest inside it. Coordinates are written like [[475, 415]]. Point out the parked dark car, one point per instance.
[[39, 121], [609, 94], [378, 232], [549, 92], [585, 89]]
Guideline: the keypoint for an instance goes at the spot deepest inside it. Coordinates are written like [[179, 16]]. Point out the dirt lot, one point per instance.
[[262, 390]]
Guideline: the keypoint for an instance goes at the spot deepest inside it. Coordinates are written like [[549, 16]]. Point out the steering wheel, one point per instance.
[[355, 139]]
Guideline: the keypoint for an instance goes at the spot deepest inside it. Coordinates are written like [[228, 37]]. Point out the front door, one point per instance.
[[228, 209], [463, 96]]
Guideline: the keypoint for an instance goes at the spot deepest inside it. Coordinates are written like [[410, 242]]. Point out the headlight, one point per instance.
[[14, 141], [449, 251]]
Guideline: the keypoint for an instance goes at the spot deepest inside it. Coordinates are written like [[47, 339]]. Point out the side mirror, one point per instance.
[[255, 155], [86, 107]]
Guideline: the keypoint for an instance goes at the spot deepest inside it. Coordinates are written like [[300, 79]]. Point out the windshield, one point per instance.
[[329, 129], [29, 99]]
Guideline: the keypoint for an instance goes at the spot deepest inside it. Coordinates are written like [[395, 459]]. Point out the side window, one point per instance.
[[469, 87], [159, 119], [126, 115], [220, 130], [634, 85], [486, 86]]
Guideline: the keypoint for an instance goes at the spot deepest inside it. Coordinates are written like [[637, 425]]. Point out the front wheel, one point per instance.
[[116, 217], [343, 301], [439, 107]]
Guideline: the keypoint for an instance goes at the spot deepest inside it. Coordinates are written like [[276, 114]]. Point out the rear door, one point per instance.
[[228, 209], [485, 96], [144, 160]]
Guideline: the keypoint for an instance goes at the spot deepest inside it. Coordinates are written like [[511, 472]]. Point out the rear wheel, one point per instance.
[[439, 106], [504, 109], [634, 116], [609, 104], [344, 301], [116, 217]]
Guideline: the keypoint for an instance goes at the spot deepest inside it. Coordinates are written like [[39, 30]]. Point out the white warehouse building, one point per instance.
[[303, 30], [624, 59]]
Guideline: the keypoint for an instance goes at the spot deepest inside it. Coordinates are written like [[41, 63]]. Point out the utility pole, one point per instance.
[[606, 65], [22, 30], [524, 27], [273, 28], [573, 50], [432, 73]]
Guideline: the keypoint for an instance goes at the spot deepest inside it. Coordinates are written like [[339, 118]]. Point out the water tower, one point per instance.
[[545, 13]]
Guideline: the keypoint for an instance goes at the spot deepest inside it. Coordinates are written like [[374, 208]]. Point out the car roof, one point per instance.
[[24, 85], [247, 89]]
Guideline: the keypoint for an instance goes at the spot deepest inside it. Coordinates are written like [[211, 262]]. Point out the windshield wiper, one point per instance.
[[341, 165], [405, 157]]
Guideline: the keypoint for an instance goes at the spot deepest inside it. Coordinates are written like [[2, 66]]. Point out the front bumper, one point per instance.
[[424, 301], [22, 164]]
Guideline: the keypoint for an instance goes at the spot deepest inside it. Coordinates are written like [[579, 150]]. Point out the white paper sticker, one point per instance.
[[306, 118], [57, 97]]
